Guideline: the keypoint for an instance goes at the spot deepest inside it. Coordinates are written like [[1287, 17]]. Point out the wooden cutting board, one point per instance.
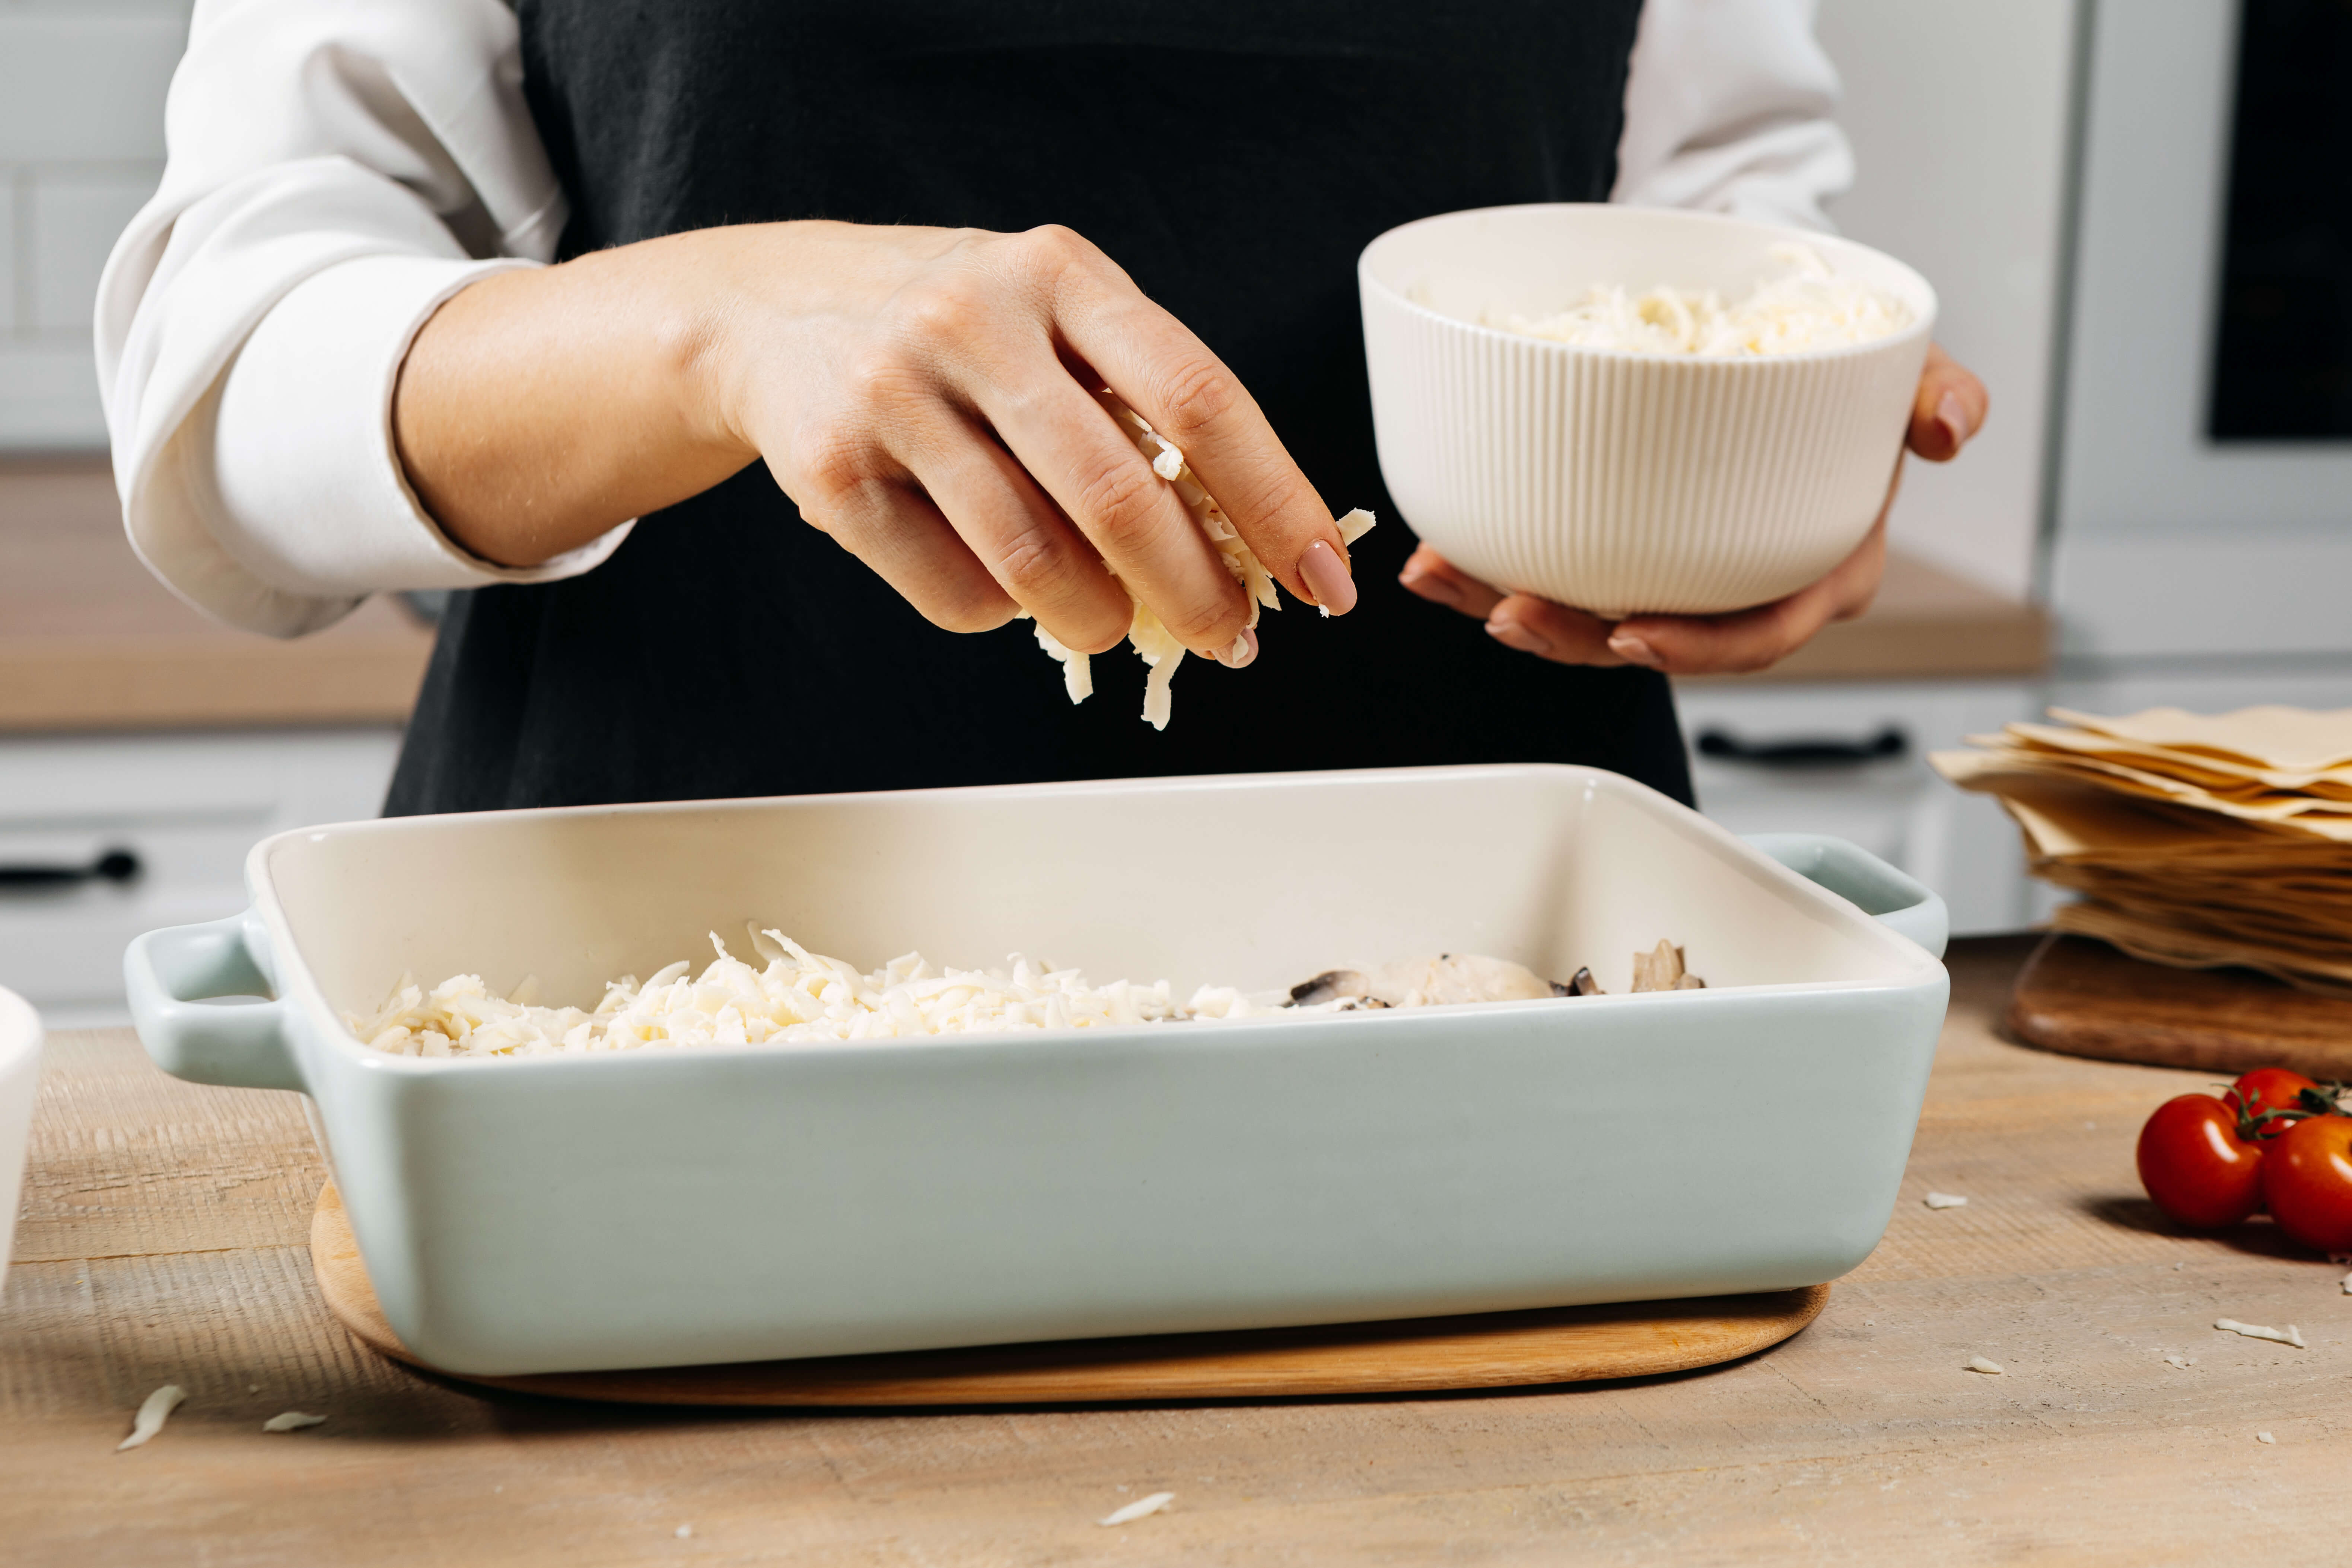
[[1551, 1345], [2081, 996]]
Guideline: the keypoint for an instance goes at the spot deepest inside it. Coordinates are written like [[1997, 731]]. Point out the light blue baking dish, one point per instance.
[[747, 1203]]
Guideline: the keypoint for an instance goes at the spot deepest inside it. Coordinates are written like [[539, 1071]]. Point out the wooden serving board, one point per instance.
[[2081, 996], [1559, 1345]]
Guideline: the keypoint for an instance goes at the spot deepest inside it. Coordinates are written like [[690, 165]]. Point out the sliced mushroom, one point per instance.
[[1331, 985]]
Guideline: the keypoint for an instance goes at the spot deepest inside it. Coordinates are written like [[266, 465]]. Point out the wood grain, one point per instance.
[[2084, 998], [1924, 623], [90, 640], [1500, 1349], [1859, 1441]]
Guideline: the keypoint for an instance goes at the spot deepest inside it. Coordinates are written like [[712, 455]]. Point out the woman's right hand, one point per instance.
[[924, 395]]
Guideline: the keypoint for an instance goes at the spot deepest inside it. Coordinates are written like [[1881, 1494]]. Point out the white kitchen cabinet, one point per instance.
[[187, 806], [1849, 758]]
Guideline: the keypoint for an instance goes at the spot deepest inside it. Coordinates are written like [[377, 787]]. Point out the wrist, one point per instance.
[[698, 333]]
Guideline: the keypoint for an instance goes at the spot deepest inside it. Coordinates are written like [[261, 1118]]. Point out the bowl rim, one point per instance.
[[21, 1031], [1922, 323]]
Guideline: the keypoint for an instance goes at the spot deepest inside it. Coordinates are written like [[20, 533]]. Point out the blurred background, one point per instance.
[[2139, 218]]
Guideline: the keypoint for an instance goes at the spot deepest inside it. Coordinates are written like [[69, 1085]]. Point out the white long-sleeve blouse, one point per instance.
[[338, 168]]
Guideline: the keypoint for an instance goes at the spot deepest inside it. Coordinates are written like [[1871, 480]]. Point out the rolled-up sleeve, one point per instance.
[[337, 169], [1728, 108]]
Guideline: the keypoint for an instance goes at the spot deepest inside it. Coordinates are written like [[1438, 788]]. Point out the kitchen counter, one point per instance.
[[1926, 624], [89, 640], [163, 1240]]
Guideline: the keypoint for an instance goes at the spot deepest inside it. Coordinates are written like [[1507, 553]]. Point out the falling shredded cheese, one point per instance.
[[1810, 307], [1160, 652], [1946, 1200], [2291, 1336], [291, 1421], [150, 1420], [1989, 1368], [1157, 1502]]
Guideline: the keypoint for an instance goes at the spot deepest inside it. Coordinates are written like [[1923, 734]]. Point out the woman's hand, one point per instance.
[[925, 395], [1948, 411]]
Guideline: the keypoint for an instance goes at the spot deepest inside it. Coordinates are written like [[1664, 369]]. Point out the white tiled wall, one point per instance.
[[81, 146]]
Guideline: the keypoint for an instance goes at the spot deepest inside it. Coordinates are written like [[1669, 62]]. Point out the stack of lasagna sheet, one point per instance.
[[2196, 840]]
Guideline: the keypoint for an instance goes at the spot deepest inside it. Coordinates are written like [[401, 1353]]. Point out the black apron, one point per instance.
[[1233, 156]]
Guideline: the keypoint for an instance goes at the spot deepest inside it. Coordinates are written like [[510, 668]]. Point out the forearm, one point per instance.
[[538, 409]]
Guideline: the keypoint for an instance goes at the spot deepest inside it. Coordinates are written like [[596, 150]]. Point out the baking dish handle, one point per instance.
[[169, 974], [1902, 904]]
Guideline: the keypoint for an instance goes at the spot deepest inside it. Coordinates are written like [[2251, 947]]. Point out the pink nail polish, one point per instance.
[[1633, 650], [1242, 653], [1512, 633], [1954, 419], [1326, 579]]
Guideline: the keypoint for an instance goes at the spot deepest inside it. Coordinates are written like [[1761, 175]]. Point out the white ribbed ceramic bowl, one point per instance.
[[20, 1077], [1620, 482]]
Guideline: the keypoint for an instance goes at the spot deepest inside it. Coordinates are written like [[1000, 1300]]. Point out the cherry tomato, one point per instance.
[[2194, 1164], [2307, 1182], [2271, 1088]]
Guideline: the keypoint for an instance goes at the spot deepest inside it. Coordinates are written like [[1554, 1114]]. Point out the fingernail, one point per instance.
[[1431, 586], [1954, 419], [1243, 650], [1326, 579], [1512, 633], [1633, 650]]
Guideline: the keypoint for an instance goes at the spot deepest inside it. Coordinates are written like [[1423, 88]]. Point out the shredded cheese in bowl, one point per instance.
[[1151, 639], [1810, 307], [805, 998], [800, 997]]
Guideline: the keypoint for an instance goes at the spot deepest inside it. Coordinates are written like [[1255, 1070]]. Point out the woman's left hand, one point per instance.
[[1948, 411]]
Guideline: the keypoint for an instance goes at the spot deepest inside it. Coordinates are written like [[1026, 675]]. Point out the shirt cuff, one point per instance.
[[306, 492]]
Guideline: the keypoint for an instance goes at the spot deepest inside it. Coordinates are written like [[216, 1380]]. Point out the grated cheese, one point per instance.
[[292, 1421], [1989, 1368], [153, 1412], [1810, 307], [1156, 1503], [1946, 1200], [804, 998], [2291, 1336], [1151, 639], [2264, 1437], [800, 997]]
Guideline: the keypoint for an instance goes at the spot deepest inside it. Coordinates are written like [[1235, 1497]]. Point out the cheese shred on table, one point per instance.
[[1808, 307], [152, 1413], [1150, 638]]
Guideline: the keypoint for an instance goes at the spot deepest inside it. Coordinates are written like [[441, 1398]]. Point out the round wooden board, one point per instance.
[[1498, 1349], [2083, 997]]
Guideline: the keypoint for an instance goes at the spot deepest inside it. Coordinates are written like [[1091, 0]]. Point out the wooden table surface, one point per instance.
[[162, 1241]]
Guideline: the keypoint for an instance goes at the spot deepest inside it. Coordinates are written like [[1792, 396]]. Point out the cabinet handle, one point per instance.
[[114, 866], [1804, 752]]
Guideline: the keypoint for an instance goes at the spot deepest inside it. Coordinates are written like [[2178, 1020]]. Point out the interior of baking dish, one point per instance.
[[1255, 881]]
